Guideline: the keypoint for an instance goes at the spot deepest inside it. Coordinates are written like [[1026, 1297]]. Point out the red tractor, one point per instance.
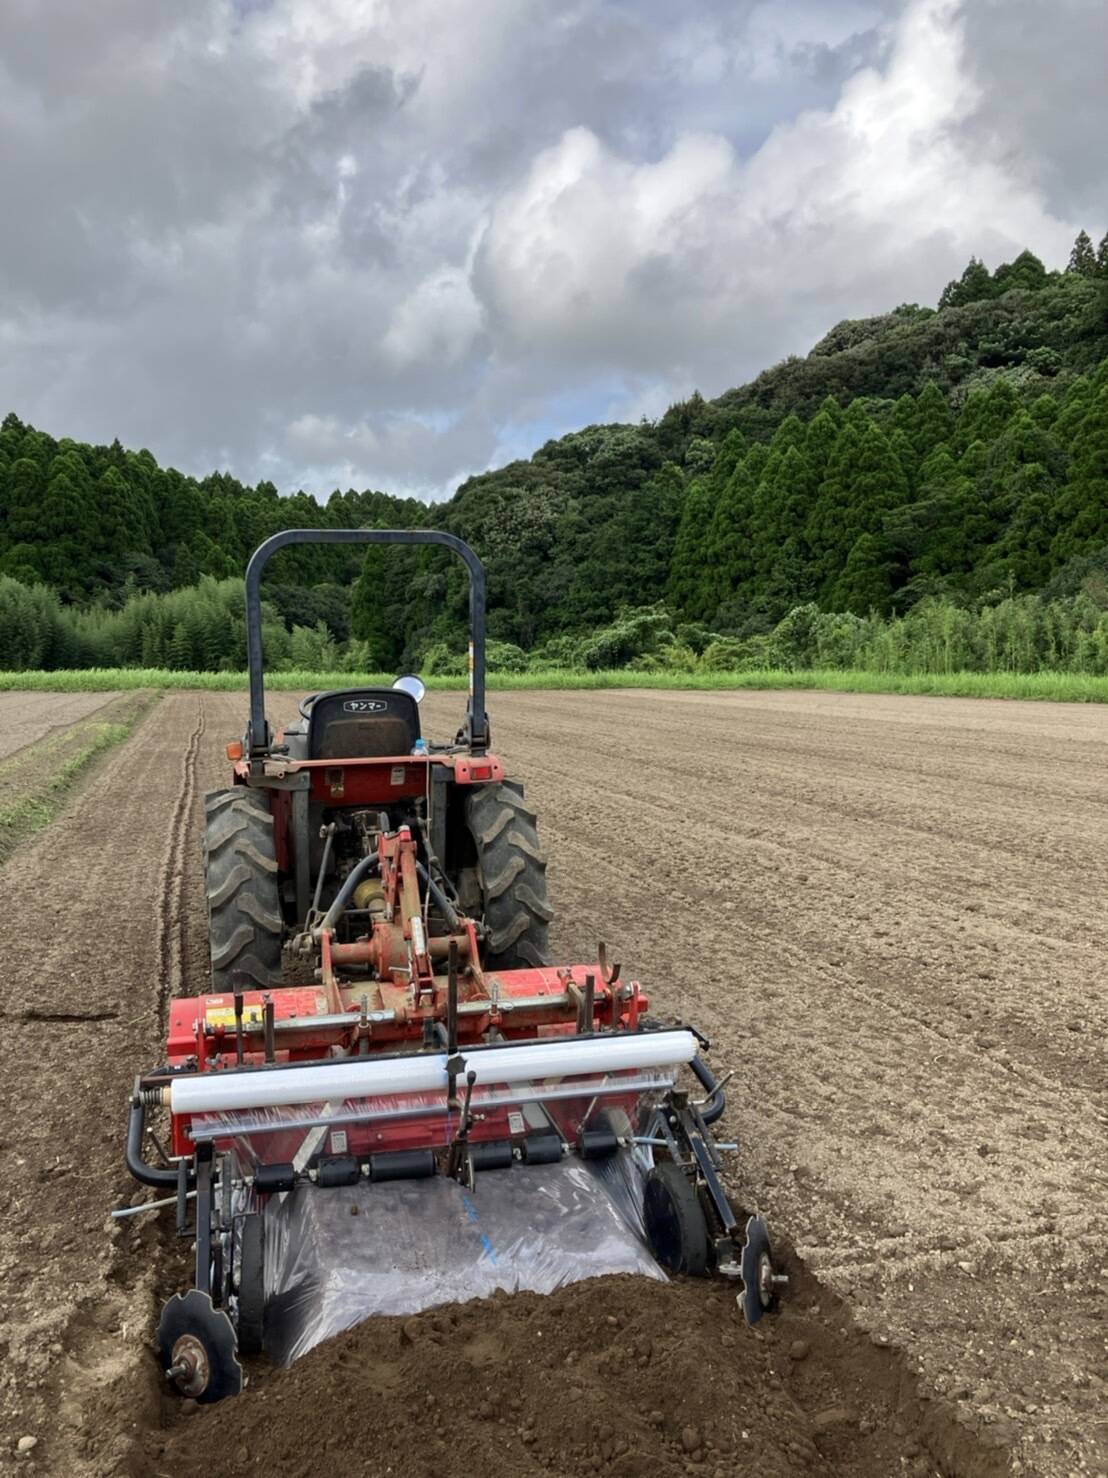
[[308, 801], [382, 1007]]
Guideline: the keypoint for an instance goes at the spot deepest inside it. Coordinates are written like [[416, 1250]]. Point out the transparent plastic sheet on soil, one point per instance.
[[337, 1257]]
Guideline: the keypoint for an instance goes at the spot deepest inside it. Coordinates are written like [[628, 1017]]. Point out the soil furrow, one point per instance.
[[80, 936], [882, 910], [175, 867]]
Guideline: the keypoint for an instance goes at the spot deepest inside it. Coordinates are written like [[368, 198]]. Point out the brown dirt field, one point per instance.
[[28, 717], [885, 913], [620, 1376], [38, 777], [96, 932]]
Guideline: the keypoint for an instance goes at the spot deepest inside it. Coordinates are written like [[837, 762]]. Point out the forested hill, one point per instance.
[[959, 451]]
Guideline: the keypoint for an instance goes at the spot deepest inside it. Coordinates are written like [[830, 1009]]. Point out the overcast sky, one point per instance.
[[388, 243]]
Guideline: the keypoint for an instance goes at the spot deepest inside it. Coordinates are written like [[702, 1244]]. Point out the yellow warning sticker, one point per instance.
[[225, 1016]]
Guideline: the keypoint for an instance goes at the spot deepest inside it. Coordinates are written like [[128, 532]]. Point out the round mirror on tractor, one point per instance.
[[414, 686]]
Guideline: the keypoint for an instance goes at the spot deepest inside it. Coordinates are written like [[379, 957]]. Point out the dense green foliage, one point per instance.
[[98, 523], [202, 629], [951, 459], [199, 628]]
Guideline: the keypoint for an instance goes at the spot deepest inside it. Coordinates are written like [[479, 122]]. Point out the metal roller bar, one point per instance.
[[329, 1021], [423, 1073]]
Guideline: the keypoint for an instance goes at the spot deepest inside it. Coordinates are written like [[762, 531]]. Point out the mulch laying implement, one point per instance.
[[384, 1011]]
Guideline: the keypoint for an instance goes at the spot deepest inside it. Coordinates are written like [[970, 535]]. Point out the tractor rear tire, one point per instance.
[[511, 871], [244, 906]]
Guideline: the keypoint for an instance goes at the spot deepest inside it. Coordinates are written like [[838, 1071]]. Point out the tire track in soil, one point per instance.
[[171, 917], [95, 913]]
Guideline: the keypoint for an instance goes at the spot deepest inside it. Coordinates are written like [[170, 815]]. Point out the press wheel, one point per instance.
[[251, 1284], [676, 1227]]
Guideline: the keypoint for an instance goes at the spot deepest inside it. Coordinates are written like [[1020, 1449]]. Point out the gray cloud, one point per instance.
[[329, 241], [1043, 70]]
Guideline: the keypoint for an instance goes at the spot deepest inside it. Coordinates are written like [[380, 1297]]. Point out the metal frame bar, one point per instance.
[[476, 724], [203, 1132], [204, 1218]]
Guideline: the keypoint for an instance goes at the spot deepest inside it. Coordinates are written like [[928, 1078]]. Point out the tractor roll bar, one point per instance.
[[476, 725]]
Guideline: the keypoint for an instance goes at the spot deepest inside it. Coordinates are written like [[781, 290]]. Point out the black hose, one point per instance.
[[148, 1174], [442, 903], [717, 1099], [359, 871]]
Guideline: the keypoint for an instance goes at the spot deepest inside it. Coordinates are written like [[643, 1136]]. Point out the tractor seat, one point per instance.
[[360, 723]]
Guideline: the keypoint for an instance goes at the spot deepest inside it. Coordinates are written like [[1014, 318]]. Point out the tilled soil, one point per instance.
[[618, 1376], [39, 777], [887, 914], [27, 717], [102, 921], [884, 911]]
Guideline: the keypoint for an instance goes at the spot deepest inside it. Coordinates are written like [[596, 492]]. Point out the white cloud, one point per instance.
[[438, 321], [704, 259], [380, 241], [582, 260]]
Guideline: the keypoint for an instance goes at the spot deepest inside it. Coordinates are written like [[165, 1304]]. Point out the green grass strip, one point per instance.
[[31, 809], [1058, 687]]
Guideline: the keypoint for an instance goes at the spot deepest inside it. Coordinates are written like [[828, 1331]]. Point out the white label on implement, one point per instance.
[[419, 942], [338, 1141], [515, 1122], [399, 772]]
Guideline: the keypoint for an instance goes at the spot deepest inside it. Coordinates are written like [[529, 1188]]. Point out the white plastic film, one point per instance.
[[425, 1072]]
